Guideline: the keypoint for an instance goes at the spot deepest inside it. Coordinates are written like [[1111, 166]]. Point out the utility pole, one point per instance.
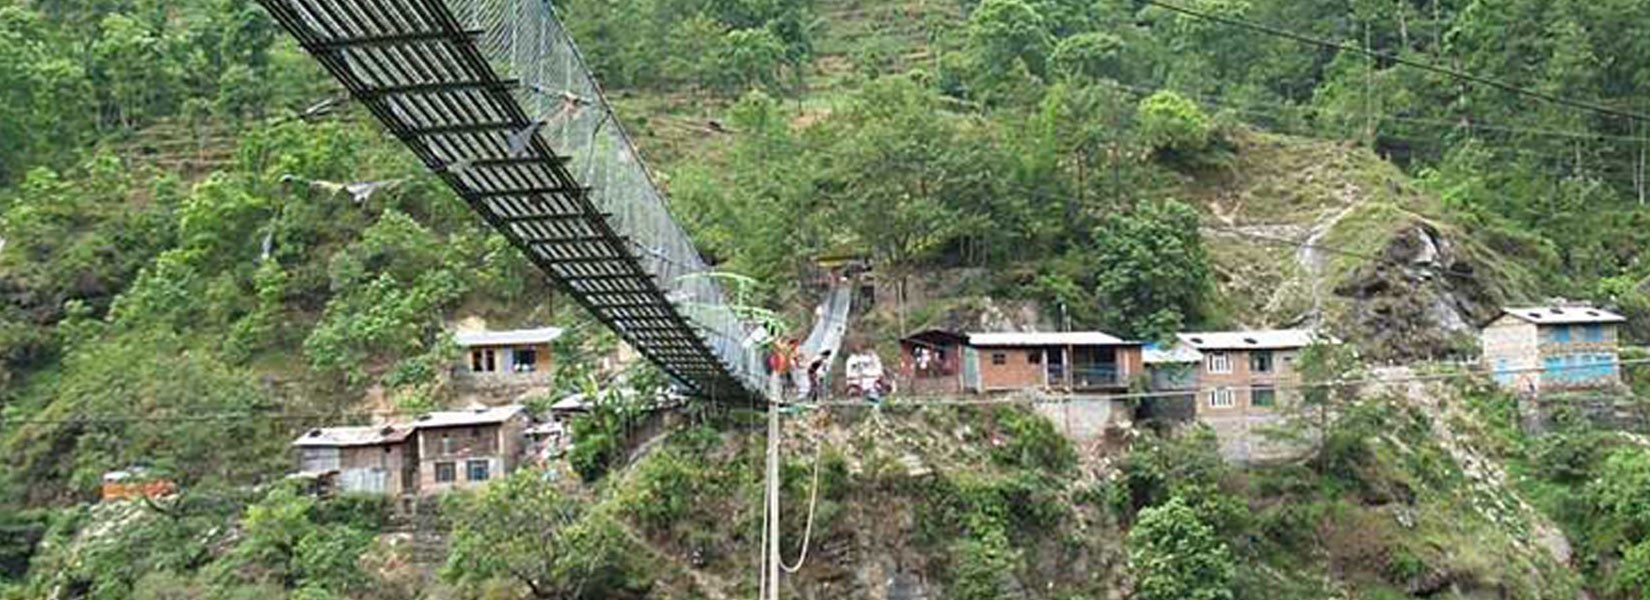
[[772, 566]]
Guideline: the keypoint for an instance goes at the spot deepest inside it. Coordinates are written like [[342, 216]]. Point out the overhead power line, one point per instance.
[[1165, 394], [1425, 66]]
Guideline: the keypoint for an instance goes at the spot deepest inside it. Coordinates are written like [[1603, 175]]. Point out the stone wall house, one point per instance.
[[1073, 361], [502, 366], [468, 448], [1553, 348], [373, 459]]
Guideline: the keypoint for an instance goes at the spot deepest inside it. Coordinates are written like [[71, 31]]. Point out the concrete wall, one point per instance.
[[1511, 352]]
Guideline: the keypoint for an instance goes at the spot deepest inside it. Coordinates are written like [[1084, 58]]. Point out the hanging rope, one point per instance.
[[813, 500]]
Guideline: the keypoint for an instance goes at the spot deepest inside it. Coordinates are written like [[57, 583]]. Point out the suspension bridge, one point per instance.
[[494, 98]]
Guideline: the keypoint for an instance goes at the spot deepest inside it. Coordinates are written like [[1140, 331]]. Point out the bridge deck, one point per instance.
[[474, 88]]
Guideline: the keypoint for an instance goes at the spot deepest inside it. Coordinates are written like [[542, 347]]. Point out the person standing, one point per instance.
[[816, 375]]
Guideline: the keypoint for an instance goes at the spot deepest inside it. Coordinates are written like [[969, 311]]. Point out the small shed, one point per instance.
[[373, 459], [931, 362]]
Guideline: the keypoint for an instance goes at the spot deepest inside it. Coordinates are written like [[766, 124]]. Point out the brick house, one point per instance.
[[1074, 361], [1242, 371], [505, 364], [467, 448], [1553, 348], [931, 362], [374, 459]]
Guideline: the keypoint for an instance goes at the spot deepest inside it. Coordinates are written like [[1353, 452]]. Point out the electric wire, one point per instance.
[[1426, 66]]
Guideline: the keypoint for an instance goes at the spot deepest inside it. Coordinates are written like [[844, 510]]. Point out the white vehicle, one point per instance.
[[865, 376]]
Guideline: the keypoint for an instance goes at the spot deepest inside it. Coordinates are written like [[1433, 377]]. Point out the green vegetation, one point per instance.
[[187, 285]]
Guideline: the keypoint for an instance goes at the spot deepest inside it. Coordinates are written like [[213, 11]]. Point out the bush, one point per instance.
[[1175, 125], [1176, 556]]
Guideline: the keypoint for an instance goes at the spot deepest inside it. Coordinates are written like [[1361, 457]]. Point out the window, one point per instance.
[[483, 360], [1595, 333], [446, 444], [1221, 398], [998, 358], [1263, 396], [524, 360], [1219, 362], [1034, 357], [1558, 333], [477, 470], [1260, 361], [446, 472]]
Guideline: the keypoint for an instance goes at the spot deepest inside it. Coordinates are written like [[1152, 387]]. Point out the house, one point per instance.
[[1073, 361], [467, 448], [135, 482], [374, 459], [931, 362], [1549, 348], [1173, 369], [1242, 370], [505, 363]]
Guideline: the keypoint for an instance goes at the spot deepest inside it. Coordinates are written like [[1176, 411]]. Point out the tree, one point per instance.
[[1089, 56], [1150, 270], [1174, 555], [523, 529], [1008, 45], [752, 58]]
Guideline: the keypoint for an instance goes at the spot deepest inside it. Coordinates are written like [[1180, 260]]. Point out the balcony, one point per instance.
[[1095, 376]]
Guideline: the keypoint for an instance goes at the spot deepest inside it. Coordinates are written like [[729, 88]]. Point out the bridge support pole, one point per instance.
[[772, 566]]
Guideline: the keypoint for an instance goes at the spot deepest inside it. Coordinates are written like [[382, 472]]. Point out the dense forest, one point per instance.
[[189, 279]]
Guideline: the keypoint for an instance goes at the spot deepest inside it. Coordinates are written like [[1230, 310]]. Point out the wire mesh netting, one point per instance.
[[494, 97], [524, 40]]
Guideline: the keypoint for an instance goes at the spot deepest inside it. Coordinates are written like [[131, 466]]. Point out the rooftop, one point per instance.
[[1053, 338], [1267, 339], [542, 335], [475, 415], [1155, 354], [366, 435], [1561, 315]]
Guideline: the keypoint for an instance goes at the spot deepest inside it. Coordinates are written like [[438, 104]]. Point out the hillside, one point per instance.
[[205, 252]]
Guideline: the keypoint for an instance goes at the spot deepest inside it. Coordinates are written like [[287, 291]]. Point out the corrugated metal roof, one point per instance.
[[1560, 315], [542, 335], [1154, 354], [366, 435], [1052, 338], [1267, 339], [477, 415]]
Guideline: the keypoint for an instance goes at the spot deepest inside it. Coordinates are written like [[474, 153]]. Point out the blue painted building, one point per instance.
[[1553, 348]]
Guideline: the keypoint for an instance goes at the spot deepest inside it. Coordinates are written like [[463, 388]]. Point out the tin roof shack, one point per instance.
[[1173, 369], [1073, 361], [931, 362], [374, 459], [135, 482], [467, 448], [1553, 348], [504, 365], [1241, 370]]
